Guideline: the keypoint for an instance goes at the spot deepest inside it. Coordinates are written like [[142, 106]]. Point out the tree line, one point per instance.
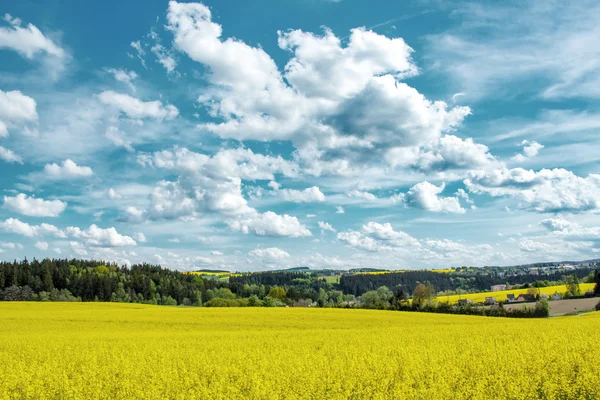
[[89, 280], [469, 282]]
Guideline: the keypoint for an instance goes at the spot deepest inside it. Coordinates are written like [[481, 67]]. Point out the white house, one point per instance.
[[556, 296]]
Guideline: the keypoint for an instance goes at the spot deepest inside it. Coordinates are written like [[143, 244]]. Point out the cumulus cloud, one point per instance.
[[41, 245], [95, 236], [16, 109], [309, 195], [337, 103], [530, 149], [357, 194], [137, 109], [378, 237], [9, 156], [382, 238], [564, 229], [14, 225], [325, 226], [67, 170], [543, 191], [270, 253], [15, 106], [34, 207], [140, 237], [531, 246], [425, 196], [339, 210], [225, 164], [213, 185], [270, 224]]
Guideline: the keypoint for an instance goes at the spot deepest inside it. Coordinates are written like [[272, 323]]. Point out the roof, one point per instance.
[[526, 296]]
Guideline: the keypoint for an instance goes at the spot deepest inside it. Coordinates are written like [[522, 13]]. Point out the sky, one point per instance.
[[273, 134]]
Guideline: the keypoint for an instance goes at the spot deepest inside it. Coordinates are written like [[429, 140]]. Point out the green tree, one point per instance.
[[254, 301], [573, 288], [423, 294], [277, 293], [268, 301]]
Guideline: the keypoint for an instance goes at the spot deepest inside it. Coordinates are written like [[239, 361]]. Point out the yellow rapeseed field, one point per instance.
[[501, 295], [125, 351]]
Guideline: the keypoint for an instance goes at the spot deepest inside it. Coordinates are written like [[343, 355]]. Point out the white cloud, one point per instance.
[[124, 76], [95, 236], [78, 248], [531, 246], [41, 245], [15, 106], [67, 170], [225, 164], [563, 229], [216, 253], [424, 195], [449, 152], [140, 52], [34, 207], [14, 225], [386, 234], [382, 238], [27, 41], [11, 245], [325, 226], [379, 237], [309, 195], [357, 194], [547, 190], [339, 210], [140, 237], [164, 57], [270, 224], [338, 104], [486, 53], [321, 67], [359, 241], [137, 109], [112, 194], [116, 136], [556, 224], [530, 149], [9, 156], [270, 253]]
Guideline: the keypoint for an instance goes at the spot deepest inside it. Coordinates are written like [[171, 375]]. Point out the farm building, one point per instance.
[[526, 297], [490, 301]]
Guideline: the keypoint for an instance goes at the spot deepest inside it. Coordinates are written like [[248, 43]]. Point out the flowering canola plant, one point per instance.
[[502, 294], [131, 351]]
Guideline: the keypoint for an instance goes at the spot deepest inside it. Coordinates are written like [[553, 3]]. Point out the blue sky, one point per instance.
[[272, 134]]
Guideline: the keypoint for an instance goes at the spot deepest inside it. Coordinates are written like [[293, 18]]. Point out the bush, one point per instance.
[[219, 302]]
